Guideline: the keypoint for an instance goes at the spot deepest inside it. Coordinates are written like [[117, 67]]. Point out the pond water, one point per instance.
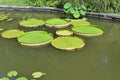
[[98, 60]]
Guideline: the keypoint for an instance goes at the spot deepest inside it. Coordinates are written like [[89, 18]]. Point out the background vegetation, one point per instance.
[[112, 6]]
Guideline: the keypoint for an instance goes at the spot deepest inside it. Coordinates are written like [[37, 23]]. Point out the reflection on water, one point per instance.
[[98, 60]]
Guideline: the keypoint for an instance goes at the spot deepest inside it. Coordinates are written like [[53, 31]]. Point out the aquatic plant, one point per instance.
[[68, 43], [12, 33], [35, 38], [38, 74], [79, 22], [13, 74], [3, 17], [64, 32], [31, 23], [57, 23], [78, 11], [87, 30]]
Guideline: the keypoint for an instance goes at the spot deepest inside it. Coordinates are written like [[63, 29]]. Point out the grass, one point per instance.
[[13, 2]]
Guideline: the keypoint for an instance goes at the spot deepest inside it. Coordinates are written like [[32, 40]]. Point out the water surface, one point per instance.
[[98, 60]]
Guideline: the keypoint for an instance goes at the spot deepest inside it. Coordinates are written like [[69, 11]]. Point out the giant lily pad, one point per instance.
[[3, 17], [57, 23], [31, 23], [87, 30], [68, 43], [79, 22], [12, 33], [35, 38], [64, 32]]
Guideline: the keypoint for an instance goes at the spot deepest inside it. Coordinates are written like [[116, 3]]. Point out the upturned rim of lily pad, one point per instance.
[[88, 31], [34, 35], [50, 23], [12, 33], [79, 22], [72, 43], [64, 32], [25, 23]]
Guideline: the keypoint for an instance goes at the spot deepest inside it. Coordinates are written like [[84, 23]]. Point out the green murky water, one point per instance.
[[98, 60]]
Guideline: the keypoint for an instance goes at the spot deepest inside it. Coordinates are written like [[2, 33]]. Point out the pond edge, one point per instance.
[[109, 16]]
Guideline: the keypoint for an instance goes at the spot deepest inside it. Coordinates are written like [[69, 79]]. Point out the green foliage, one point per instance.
[[12, 73], [49, 3], [78, 11]]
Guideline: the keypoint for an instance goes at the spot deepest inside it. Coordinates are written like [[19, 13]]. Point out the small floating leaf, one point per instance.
[[38, 74], [3, 17], [22, 78], [12, 73], [12, 33], [5, 78]]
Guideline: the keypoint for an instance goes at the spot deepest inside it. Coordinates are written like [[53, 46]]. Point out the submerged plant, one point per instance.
[[78, 11]]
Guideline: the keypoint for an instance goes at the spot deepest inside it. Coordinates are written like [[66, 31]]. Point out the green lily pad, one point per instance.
[[79, 22], [57, 23], [3, 17], [38, 74], [12, 73], [35, 38], [68, 43], [87, 30], [64, 32], [31, 23], [22, 78], [12, 33]]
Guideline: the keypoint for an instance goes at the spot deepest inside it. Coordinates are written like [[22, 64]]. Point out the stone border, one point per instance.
[[110, 16], [30, 8]]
